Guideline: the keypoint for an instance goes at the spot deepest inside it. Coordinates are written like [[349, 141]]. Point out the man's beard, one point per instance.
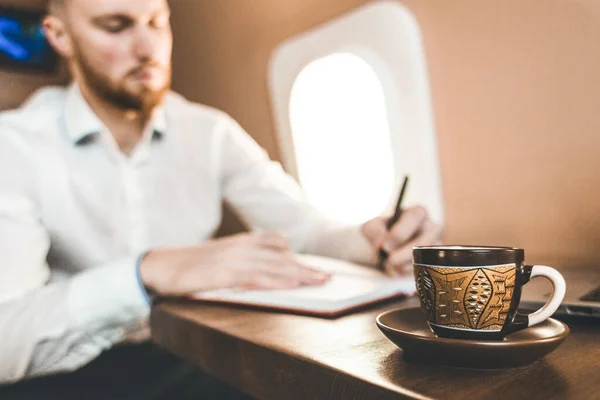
[[117, 94]]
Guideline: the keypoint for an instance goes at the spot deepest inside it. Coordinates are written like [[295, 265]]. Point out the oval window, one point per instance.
[[341, 137]]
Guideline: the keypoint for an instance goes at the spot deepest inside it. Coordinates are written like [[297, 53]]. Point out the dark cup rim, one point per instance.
[[469, 248], [462, 256]]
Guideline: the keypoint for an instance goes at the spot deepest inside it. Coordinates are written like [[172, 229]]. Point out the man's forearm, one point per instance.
[[62, 326], [342, 242]]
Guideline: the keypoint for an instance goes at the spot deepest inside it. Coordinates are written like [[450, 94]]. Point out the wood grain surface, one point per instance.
[[270, 355]]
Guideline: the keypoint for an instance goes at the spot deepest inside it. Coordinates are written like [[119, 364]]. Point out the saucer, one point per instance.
[[408, 329]]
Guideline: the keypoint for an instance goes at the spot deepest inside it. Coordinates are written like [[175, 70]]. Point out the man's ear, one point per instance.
[[57, 35]]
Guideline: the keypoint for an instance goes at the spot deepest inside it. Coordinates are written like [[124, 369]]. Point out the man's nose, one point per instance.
[[144, 46]]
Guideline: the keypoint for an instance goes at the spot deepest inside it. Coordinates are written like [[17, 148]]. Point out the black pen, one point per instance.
[[383, 255]]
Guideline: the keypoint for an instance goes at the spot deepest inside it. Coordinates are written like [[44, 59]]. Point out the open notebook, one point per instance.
[[351, 286]]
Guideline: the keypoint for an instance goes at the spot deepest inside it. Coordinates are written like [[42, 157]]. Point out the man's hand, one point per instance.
[[249, 260], [413, 229]]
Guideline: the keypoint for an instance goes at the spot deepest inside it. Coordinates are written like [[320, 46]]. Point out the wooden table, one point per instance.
[[281, 356]]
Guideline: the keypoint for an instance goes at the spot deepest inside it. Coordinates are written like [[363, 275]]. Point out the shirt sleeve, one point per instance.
[[269, 199], [52, 327]]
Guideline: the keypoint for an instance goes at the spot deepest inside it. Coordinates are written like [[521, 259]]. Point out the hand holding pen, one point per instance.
[[393, 238], [383, 254]]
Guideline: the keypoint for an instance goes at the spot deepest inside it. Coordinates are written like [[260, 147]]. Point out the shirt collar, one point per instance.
[[82, 123], [158, 122]]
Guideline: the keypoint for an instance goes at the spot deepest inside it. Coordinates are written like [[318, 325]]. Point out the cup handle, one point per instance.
[[558, 293]]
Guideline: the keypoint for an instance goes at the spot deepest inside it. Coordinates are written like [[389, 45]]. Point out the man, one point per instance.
[[111, 190]]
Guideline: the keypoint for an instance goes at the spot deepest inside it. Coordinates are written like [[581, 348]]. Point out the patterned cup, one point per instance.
[[472, 292]]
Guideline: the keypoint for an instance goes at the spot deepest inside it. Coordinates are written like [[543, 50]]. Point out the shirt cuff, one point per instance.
[[108, 295], [138, 274]]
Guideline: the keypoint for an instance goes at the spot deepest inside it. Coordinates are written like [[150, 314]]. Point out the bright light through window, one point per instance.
[[341, 137]]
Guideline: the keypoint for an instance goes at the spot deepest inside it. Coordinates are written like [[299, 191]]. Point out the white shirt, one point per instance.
[[76, 213]]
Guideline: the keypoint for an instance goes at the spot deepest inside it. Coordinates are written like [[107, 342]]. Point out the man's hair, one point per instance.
[[55, 6]]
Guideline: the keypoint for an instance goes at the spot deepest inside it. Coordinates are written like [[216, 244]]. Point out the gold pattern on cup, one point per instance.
[[466, 297]]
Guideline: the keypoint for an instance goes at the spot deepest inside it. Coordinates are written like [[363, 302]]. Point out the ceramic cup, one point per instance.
[[472, 292]]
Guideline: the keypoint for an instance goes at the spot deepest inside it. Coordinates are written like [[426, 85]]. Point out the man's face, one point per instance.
[[122, 49]]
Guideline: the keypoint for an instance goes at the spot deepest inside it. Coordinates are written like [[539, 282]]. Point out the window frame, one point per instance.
[[401, 66]]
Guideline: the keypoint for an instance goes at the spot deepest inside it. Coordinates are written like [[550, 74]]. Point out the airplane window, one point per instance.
[[341, 137], [353, 114]]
